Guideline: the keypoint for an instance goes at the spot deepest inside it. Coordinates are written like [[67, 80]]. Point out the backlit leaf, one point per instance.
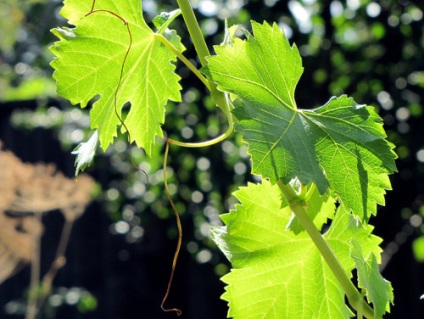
[[89, 60], [340, 145], [278, 273]]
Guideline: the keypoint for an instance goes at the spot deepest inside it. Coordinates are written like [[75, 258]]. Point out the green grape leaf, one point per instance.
[[278, 273], [340, 145], [378, 290], [85, 153], [88, 64]]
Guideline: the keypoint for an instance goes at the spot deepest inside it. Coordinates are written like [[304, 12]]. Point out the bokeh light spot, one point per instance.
[[373, 9], [420, 155]]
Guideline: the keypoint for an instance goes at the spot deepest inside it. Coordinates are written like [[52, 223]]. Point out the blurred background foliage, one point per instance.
[[370, 50]]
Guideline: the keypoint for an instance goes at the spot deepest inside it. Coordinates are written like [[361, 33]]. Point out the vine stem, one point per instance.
[[201, 49], [353, 295], [194, 30], [205, 81]]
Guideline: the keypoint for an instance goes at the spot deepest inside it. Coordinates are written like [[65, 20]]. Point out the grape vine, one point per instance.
[[328, 165]]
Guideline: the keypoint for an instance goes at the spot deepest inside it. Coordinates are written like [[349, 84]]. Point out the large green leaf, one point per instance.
[[340, 145], [278, 273], [88, 64]]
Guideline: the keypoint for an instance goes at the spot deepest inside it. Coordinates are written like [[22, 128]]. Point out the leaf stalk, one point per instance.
[[183, 59], [353, 295]]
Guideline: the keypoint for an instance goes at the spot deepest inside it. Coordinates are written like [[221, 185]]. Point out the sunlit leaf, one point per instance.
[[90, 58], [340, 145], [278, 273]]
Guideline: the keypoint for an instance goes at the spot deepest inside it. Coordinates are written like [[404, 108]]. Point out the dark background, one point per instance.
[[346, 48]]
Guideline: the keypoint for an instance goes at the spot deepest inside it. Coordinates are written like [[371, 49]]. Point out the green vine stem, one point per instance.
[[199, 75], [194, 30], [353, 295], [202, 50]]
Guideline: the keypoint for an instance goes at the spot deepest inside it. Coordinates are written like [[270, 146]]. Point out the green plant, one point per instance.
[[297, 238]]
